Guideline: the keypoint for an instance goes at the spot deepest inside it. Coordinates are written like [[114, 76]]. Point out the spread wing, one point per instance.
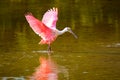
[[37, 26], [50, 18]]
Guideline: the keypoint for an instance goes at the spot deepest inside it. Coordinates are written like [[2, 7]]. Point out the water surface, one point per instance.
[[95, 55]]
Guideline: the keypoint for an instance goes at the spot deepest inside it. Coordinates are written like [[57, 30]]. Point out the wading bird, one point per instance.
[[46, 28]]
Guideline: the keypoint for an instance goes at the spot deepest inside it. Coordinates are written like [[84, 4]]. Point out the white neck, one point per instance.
[[62, 31]]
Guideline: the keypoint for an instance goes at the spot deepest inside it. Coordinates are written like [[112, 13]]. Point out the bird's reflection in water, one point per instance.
[[47, 70]]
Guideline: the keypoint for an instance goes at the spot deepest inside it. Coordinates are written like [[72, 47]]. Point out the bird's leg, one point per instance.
[[49, 48]]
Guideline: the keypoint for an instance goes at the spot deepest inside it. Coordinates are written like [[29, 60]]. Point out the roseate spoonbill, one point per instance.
[[46, 28]]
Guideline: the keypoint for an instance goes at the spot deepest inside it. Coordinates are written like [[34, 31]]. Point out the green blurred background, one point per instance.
[[93, 56]]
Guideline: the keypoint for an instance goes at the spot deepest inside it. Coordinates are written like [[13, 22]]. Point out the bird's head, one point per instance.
[[68, 29]]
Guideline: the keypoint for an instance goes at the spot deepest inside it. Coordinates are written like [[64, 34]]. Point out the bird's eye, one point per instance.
[[68, 28]]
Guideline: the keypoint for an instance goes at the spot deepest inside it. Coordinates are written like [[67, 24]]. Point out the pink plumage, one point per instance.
[[50, 18], [41, 29], [46, 28]]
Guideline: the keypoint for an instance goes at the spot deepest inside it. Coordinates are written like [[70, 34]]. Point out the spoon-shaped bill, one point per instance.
[[73, 34]]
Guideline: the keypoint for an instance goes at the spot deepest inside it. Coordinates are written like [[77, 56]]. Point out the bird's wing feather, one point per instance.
[[37, 26], [50, 18]]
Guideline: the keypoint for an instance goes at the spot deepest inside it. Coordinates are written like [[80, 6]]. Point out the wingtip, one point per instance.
[[28, 13], [57, 10], [53, 9]]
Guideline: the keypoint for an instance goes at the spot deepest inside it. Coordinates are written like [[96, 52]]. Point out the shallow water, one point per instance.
[[95, 55]]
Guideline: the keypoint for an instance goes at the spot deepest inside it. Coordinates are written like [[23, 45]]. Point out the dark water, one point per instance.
[[95, 55]]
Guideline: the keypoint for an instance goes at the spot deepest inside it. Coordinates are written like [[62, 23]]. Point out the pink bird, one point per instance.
[[46, 28]]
